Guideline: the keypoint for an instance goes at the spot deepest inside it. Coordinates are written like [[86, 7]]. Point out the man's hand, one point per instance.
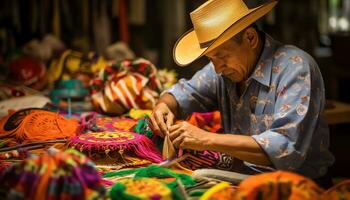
[[161, 119], [187, 136]]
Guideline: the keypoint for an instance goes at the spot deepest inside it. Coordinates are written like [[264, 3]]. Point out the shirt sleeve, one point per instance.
[[299, 101], [197, 94]]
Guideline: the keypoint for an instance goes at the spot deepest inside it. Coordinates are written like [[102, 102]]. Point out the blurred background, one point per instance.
[[43, 29]]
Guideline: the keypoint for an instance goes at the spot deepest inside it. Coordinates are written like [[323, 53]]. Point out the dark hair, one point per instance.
[[239, 36]]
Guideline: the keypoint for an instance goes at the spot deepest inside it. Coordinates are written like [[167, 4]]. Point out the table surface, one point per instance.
[[339, 114]]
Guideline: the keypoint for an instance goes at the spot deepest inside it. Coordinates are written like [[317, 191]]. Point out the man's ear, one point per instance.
[[252, 37]]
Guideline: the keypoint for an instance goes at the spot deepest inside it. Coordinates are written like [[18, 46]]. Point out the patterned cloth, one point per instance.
[[280, 108]]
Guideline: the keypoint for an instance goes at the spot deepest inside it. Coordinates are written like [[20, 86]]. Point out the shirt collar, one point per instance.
[[262, 72]]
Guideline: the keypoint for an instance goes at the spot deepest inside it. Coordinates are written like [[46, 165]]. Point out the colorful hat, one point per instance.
[[125, 85], [118, 144], [215, 22], [72, 63], [54, 175], [142, 188], [28, 71], [37, 125], [275, 185]]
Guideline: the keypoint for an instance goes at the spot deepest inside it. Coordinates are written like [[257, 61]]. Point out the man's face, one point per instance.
[[232, 59]]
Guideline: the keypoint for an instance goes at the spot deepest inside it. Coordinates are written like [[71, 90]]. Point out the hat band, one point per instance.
[[206, 44]]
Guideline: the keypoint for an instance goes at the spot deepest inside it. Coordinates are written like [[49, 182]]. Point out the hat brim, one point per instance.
[[187, 49]]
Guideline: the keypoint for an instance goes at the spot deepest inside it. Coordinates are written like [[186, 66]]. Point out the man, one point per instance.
[[270, 96]]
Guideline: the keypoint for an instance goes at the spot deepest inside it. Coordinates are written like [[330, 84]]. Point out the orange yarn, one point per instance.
[[37, 125]]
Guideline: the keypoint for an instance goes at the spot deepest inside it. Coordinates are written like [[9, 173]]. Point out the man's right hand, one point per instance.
[[161, 119]]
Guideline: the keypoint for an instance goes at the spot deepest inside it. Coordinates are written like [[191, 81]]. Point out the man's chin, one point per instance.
[[233, 78]]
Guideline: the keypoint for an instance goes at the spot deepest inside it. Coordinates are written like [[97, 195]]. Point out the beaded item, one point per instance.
[[54, 175], [37, 125], [142, 188], [112, 143]]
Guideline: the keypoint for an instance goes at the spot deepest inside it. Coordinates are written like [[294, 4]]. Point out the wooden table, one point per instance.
[[339, 114]]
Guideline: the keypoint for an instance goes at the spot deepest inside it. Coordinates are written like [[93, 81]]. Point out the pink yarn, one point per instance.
[[139, 144]]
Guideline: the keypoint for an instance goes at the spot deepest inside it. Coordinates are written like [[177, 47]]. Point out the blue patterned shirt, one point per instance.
[[281, 107]]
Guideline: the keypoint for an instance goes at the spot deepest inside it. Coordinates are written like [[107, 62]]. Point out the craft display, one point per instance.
[[119, 144], [142, 189], [53, 175], [37, 125]]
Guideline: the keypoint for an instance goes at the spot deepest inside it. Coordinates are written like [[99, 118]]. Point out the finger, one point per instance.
[[177, 141], [155, 127], [175, 127], [169, 120], [174, 134], [159, 116]]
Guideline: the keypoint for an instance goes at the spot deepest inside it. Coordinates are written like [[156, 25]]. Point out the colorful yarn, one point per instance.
[[142, 188], [278, 185], [222, 190], [114, 124], [154, 171], [339, 191], [210, 121], [37, 125], [53, 175], [118, 141]]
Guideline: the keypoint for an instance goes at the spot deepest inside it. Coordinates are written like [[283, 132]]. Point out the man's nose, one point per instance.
[[219, 67]]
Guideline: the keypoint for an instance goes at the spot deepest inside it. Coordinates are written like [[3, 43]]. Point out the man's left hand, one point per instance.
[[187, 136]]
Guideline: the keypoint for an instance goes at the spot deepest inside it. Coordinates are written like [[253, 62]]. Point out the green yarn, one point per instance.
[[197, 193], [155, 171], [161, 172], [143, 128], [120, 173], [118, 192]]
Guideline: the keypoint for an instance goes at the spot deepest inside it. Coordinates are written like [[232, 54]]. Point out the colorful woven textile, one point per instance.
[[210, 121], [125, 85], [112, 124], [142, 188], [116, 144], [278, 185], [54, 175], [37, 125]]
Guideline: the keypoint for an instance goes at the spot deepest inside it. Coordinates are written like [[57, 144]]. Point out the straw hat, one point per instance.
[[215, 22]]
